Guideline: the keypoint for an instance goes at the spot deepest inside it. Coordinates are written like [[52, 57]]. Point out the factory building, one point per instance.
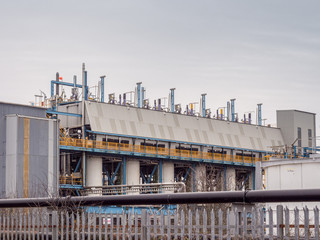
[[123, 145], [29, 152]]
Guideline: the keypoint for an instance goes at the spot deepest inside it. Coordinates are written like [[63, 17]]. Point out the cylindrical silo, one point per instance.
[[168, 176], [94, 175], [133, 175]]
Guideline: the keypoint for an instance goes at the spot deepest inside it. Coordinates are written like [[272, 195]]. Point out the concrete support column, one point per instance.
[[201, 178], [230, 179], [258, 176], [168, 176], [133, 175], [94, 175], [251, 179]]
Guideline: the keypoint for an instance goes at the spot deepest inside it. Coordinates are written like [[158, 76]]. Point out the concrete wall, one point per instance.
[[132, 121]]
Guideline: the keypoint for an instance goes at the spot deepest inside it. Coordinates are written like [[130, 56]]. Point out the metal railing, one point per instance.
[[72, 180], [154, 151], [66, 219], [215, 223], [137, 189]]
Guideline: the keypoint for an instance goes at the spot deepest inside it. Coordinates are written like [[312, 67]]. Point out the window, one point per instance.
[[299, 140], [310, 138]]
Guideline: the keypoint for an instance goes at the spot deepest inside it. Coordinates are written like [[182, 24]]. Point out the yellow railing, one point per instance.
[[67, 141], [70, 180]]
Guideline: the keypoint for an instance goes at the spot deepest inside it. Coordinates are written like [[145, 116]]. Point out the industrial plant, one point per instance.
[[77, 142]]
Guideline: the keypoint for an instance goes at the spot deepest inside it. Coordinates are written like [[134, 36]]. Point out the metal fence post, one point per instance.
[[144, 224], [54, 223], [280, 221]]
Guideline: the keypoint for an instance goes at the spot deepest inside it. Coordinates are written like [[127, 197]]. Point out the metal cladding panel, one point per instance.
[[38, 158], [31, 142], [70, 121], [116, 119], [5, 109], [12, 156]]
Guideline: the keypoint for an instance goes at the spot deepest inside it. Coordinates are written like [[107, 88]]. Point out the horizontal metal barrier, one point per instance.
[[254, 196], [150, 188]]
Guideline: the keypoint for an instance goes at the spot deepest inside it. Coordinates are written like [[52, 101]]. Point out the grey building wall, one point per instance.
[[5, 109], [42, 140], [290, 120]]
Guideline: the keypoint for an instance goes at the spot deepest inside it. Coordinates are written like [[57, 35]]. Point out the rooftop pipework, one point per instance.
[[228, 113]]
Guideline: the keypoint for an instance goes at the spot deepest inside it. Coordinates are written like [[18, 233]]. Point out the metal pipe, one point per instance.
[[102, 88], [172, 99], [259, 114], [232, 110], [83, 121], [260, 196], [139, 101], [142, 95], [203, 104], [57, 85]]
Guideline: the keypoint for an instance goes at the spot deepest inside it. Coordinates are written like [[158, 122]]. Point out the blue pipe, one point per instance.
[[86, 86], [228, 111], [142, 95], [160, 171], [203, 103], [259, 114], [139, 94], [232, 110], [124, 171], [153, 171], [52, 88], [102, 88], [115, 172], [78, 166], [172, 99], [64, 84]]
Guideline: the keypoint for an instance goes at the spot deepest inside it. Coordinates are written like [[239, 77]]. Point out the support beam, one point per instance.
[[49, 111], [124, 170]]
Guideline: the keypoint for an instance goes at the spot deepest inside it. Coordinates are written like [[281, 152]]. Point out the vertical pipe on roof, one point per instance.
[[259, 114], [139, 94], [142, 95], [172, 99], [102, 88], [203, 104], [228, 111], [57, 85], [83, 122], [85, 83], [232, 110]]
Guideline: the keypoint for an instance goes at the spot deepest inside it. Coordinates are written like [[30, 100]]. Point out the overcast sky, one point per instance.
[[254, 51]]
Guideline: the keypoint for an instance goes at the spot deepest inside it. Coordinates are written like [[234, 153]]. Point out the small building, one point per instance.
[[29, 152]]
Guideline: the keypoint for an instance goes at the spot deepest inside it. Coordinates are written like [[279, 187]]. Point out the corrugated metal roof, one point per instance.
[[122, 120]]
